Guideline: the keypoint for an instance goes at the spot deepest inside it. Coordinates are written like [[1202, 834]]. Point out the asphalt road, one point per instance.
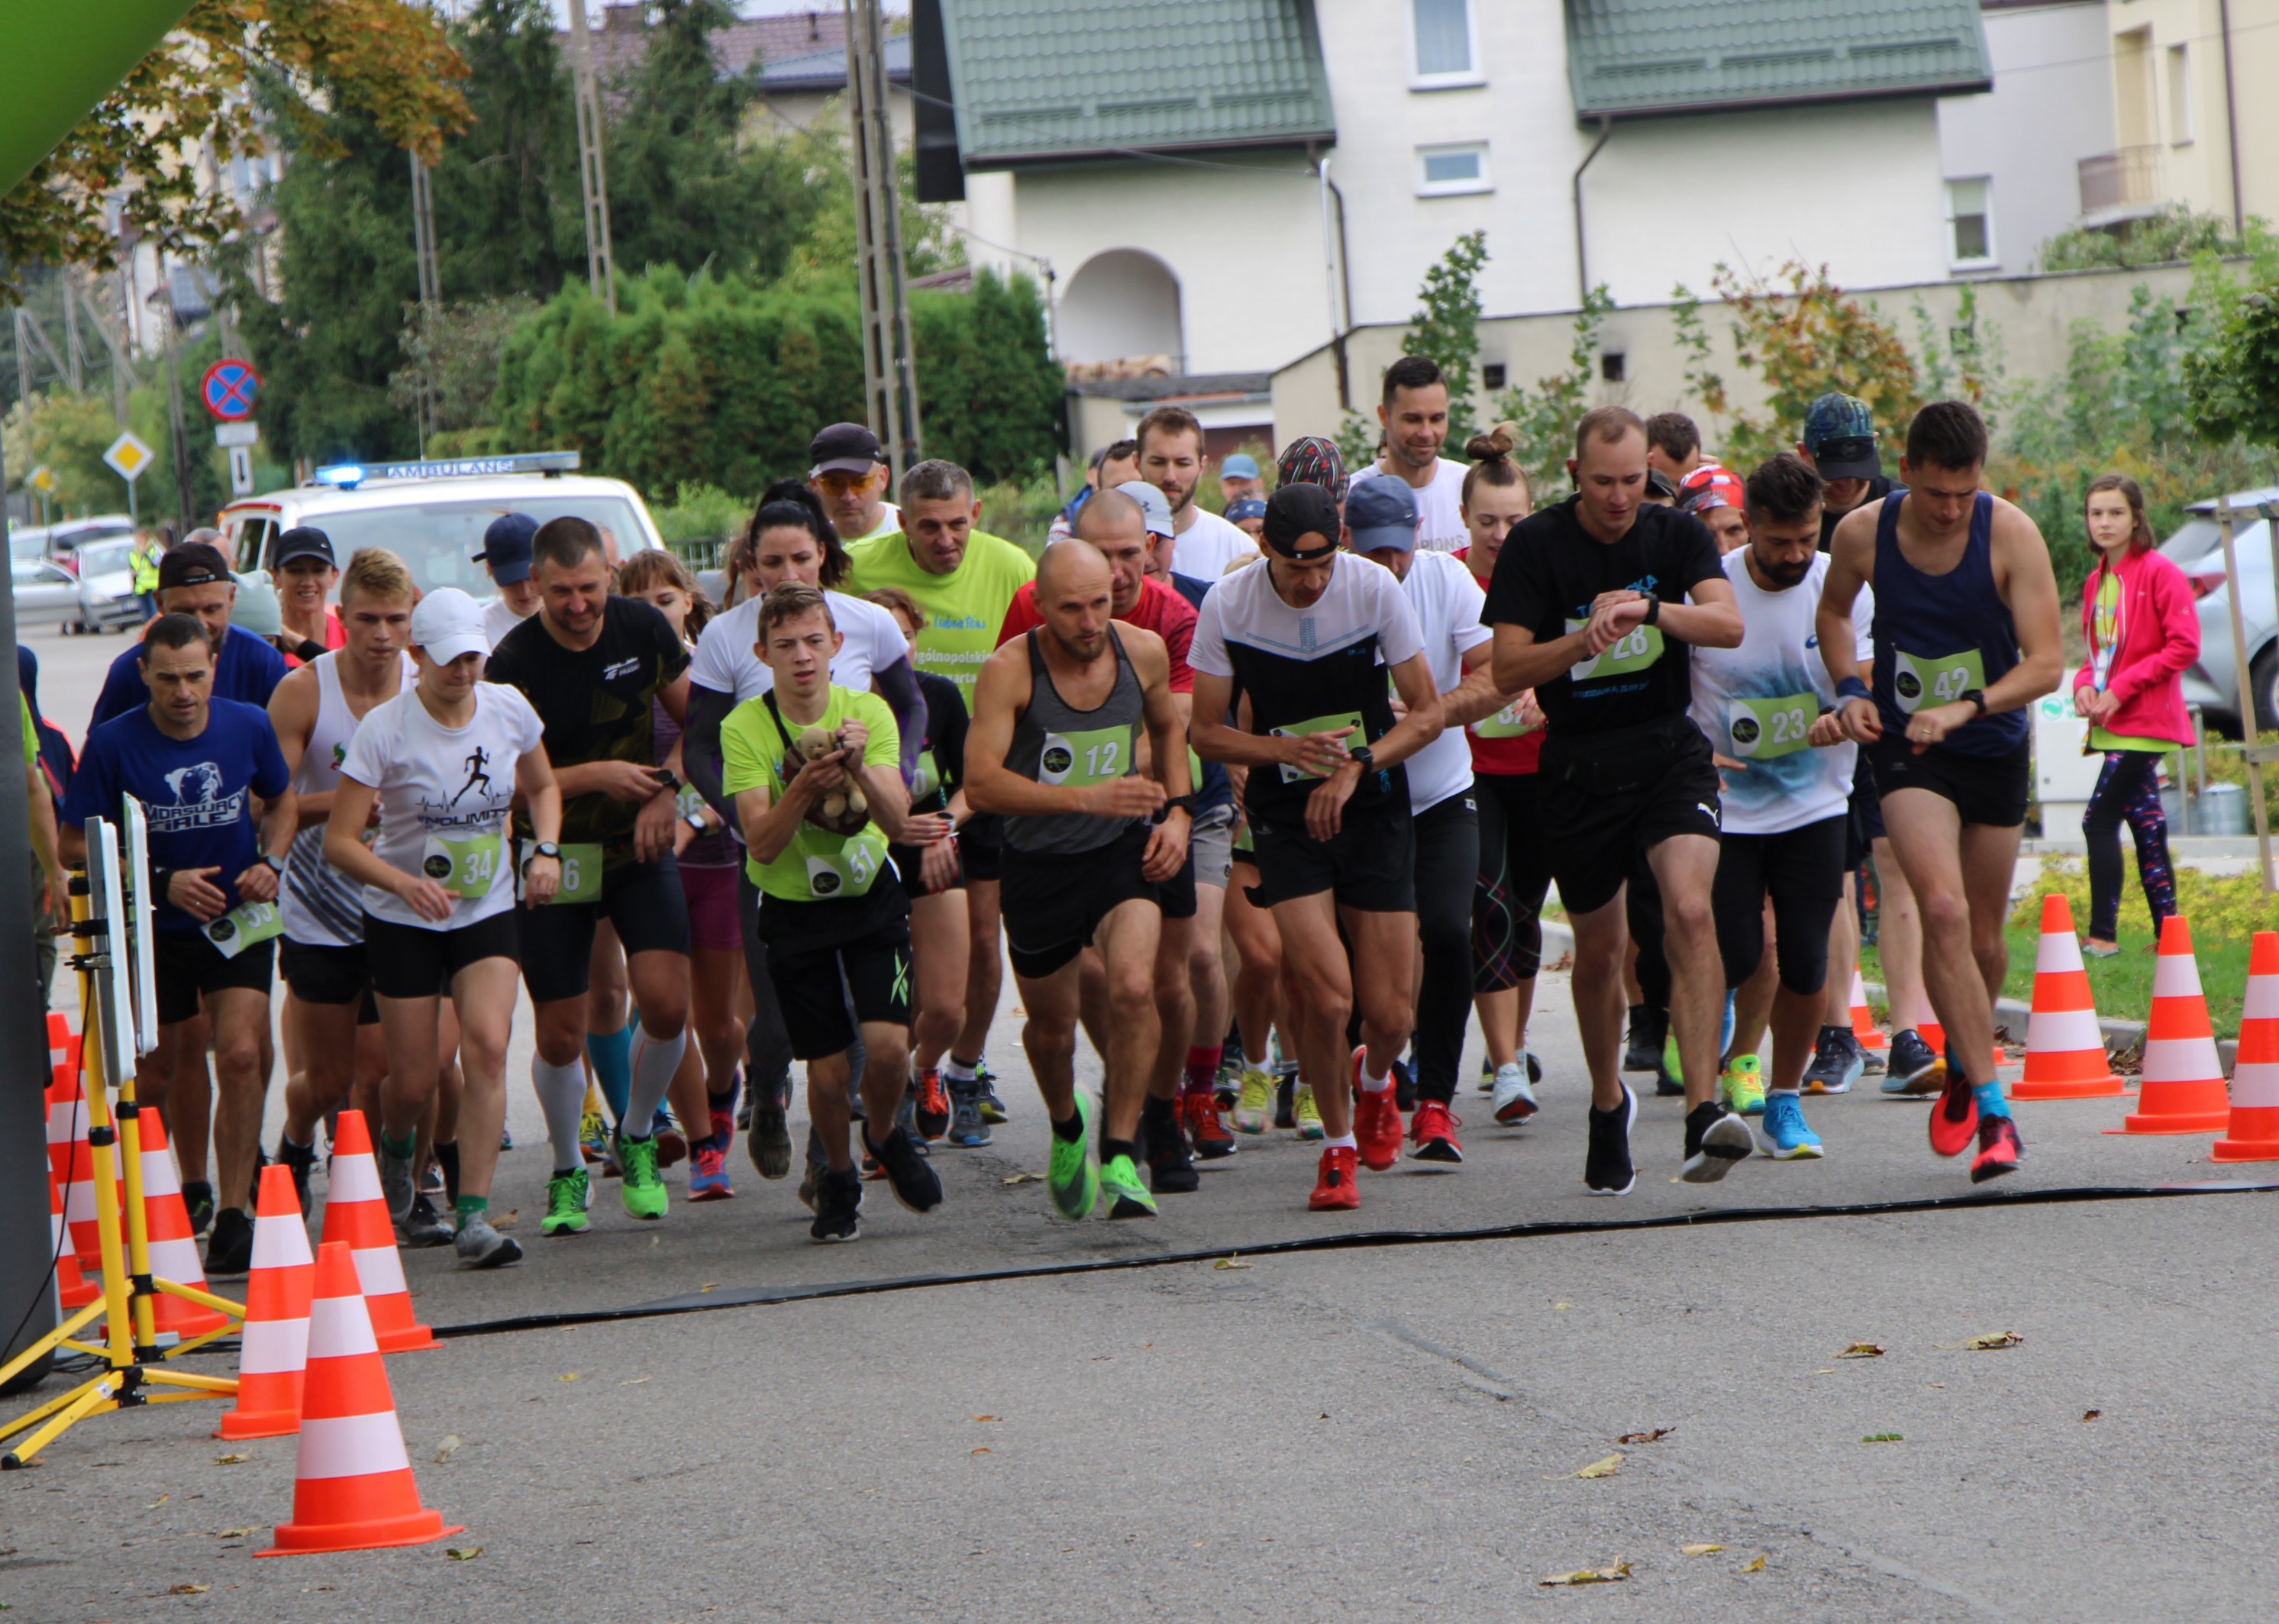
[[1389, 1431]]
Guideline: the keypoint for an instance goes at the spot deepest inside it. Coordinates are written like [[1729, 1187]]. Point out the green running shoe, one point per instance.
[[1743, 1085], [566, 1198], [643, 1189], [1253, 1110], [1074, 1175], [1308, 1114], [1130, 1198]]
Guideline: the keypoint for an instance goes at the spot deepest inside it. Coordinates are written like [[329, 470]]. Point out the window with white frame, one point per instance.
[[1441, 43], [1970, 222], [1444, 172]]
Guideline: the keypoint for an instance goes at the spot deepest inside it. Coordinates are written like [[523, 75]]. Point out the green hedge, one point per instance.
[[712, 380]]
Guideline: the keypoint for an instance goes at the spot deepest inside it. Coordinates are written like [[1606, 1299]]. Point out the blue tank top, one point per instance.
[[1939, 636]]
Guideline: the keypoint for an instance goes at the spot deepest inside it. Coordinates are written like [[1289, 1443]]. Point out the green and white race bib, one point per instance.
[[1504, 725], [249, 924], [689, 803], [1760, 729], [850, 872], [469, 865], [1321, 724], [1634, 651], [581, 873], [927, 778], [1094, 756], [1935, 679]]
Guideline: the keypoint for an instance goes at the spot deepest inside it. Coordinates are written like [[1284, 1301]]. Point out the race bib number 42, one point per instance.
[[1634, 651], [1760, 729], [1935, 679]]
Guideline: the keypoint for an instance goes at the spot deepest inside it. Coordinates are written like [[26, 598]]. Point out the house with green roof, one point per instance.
[[1218, 186]]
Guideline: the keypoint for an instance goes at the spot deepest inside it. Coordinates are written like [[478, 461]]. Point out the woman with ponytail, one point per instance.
[[1514, 873], [2144, 632]]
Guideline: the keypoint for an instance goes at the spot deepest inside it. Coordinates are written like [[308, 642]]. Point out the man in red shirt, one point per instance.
[[1187, 957]]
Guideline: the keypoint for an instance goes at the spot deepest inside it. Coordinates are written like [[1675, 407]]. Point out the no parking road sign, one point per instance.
[[230, 389]]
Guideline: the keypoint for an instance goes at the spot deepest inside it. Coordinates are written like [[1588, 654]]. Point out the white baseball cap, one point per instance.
[[447, 624]]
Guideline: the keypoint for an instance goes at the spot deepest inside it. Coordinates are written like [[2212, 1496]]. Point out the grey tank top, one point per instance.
[[1055, 743]]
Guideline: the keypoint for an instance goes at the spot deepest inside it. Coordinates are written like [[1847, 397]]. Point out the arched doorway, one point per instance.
[[1120, 305]]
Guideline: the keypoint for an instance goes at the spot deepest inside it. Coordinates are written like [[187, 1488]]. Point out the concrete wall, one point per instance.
[[2052, 106], [2029, 314]]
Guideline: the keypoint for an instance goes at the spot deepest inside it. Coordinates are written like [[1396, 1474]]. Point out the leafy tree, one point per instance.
[[1545, 416], [455, 355], [508, 215], [2233, 384], [2174, 234], [230, 75], [1445, 327]]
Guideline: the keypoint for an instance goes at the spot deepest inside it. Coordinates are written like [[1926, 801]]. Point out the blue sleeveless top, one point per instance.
[[1939, 636]]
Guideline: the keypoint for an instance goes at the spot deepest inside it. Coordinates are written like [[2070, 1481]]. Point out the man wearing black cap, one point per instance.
[[850, 474], [193, 580], [506, 555], [1308, 638], [306, 573]]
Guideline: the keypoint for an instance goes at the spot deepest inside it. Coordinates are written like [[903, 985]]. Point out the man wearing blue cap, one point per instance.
[[506, 555], [1381, 525], [1239, 480]]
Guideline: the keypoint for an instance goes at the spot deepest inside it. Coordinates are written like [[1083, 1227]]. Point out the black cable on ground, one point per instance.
[[756, 1296]]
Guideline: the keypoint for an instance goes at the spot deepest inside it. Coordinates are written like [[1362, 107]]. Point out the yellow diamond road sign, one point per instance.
[[129, 457], [42, 479]]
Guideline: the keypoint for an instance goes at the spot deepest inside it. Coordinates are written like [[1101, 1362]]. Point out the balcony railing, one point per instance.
[[2120, 183]]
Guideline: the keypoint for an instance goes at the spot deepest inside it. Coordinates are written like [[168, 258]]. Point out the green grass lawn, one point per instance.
[[2122, 986]]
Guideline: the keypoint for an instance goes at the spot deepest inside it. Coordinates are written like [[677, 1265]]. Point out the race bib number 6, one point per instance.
[[1935, 679], [1760, 729], [581, 872], [1634, 651]]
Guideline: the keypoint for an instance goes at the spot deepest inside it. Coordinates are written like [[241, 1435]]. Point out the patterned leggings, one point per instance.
[[2126, 787], [1514, 875]]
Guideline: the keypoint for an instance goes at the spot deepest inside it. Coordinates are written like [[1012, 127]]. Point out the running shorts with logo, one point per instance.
[[1369, 863], [1607, 797], [815, 985], [1802, 869], [644, 900]]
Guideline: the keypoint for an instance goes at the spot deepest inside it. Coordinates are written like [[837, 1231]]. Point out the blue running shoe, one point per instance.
[[1725, 1032], [1787, 1138]]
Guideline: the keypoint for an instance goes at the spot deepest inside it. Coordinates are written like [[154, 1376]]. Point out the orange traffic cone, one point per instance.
[[354, 1489], [167, 1226], [74, 1290], [2182, 1089], [1934, 1035], [2252, 1134], [63, 1045], [1863, 1019], [71, 1162], [2065, 1046], [276, 1333], [356, 1213]]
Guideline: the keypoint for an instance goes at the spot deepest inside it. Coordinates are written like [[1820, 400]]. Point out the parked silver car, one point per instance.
[[46, 594], [2197, 549], [106, 585]]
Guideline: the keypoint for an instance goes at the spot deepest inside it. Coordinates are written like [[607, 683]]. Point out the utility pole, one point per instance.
[[173, 363], [890, 381], [431, 293], [601, 265]]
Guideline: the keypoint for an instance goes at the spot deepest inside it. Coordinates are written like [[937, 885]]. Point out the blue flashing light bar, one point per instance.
[[348, 476]]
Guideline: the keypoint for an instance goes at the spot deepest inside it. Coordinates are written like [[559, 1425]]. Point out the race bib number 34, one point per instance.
[[1634, 651], [1760, 729], [468, 866], [1935, 679]]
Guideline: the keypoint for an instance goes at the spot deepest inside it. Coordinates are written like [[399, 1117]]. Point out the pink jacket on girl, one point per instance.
[[2159, 637]]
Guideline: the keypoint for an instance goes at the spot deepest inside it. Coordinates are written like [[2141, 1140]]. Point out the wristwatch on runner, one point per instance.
[[1976, 696], [1363, 757], [1652, 609], [1185, 803], [276, 863], [546, 848]]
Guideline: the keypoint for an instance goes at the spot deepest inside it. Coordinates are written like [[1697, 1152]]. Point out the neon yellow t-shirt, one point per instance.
[[816, 866], [964, 609]]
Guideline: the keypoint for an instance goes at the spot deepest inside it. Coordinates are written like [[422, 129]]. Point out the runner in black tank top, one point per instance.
[[1053, 747], [1965, 639]]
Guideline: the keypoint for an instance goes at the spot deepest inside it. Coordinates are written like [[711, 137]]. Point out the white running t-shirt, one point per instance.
[[726, 663], [1439, 506], [1448, 602], [444, 798], [499, 618], [1211, 547]]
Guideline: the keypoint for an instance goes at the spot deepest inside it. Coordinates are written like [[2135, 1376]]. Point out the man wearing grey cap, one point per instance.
[[1381, 522], [849, 475]]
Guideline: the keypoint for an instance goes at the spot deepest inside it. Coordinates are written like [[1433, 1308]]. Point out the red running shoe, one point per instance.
[[933, 1103], [1433, 1127], [1375, 1121], [1199, 1115], [1999, 1149], [1335, 1187], [707, 1172], [1954, 1118]]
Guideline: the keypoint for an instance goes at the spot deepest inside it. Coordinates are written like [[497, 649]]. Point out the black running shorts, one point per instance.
[[327, 973], [981, 843], [1053, 901], [188, 965], [1368, 865], [1607, 798], [813, 987], [644, 900], [415, 961], [1802, 871], [1986, 789]]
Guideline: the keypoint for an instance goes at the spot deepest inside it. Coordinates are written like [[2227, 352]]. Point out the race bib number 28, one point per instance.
[[1634, 651]]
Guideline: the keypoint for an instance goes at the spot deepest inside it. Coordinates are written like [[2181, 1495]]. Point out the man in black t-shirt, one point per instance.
[[591, 665], [1589, 602]]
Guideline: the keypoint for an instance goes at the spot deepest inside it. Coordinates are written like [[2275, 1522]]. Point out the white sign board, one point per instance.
[[129, 456], [241, 470], [247, 432]]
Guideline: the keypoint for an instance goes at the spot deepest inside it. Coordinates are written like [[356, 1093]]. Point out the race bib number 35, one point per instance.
[[1634, 651], [1760, 729], [1935, 679], [1321, 724], [249, 924]]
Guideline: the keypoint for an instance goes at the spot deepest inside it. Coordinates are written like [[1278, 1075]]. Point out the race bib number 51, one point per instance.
[[1634, 651], [1935, 679]]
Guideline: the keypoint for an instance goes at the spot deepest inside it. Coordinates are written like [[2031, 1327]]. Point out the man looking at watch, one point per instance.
[[1308, 637], [199, 764], [1596, 601]]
